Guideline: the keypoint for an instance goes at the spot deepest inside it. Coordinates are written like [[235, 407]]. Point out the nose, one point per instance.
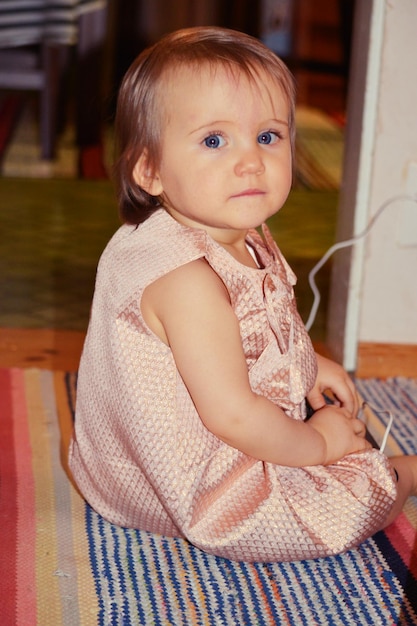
[[249, 162]]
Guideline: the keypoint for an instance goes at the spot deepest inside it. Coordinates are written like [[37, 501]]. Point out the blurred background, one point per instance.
[[60, 68], [70, 63]]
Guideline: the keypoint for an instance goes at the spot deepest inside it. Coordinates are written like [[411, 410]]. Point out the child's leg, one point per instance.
[[406, 468]]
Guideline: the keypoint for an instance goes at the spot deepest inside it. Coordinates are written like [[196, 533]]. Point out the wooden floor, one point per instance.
[[41, 348], [386, 360]]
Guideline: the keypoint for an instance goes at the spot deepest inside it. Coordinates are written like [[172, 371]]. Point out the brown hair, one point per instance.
[[139, 110]]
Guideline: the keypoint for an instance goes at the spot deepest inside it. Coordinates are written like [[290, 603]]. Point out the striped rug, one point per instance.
[[61, 563]]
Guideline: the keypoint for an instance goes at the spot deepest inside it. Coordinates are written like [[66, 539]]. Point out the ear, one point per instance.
[[143, 176]]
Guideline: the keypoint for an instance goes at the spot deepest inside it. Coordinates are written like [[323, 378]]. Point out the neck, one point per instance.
[[240, 252]]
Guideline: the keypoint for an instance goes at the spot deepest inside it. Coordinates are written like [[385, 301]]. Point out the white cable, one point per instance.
[[339, 246], [387, 429], [316, 292]]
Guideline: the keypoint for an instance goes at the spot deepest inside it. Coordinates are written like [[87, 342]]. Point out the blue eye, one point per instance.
[[214, 141], [268, 137]]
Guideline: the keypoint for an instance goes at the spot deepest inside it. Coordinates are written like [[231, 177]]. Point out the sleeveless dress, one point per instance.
[[142, 457]]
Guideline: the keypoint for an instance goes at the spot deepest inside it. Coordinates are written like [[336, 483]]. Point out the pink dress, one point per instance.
[[141, 455]]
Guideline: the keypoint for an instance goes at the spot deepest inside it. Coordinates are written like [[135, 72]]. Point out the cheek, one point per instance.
[[281, 169], [181, 187], [290, 172], [286, 167], [203, 174]]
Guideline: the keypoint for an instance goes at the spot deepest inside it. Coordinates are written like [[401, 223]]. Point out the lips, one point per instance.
[[249, 192]]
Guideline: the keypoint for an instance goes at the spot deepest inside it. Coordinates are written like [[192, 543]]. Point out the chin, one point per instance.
[[255, 222]]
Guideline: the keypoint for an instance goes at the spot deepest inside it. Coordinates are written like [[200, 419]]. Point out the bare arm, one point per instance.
[[190, 310]]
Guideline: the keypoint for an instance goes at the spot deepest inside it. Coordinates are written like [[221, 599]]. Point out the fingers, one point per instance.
[[348, 396], [357, 425], [341, 394], [316, 399], [356, 403], [359, 428], [332, 376]]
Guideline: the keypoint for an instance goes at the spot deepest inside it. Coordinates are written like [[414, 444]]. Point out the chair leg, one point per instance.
[[49, 99], [90, 50]]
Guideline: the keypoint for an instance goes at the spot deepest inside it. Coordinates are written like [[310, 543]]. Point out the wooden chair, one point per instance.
[[35, 68], [39, 67]]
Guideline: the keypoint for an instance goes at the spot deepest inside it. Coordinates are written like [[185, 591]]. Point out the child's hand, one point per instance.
[[342, 433], [332, 376]]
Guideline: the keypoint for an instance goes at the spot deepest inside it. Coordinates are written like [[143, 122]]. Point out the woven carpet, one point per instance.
[[61, 563]]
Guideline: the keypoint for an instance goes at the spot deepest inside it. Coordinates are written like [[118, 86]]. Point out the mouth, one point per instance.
[[249, 192]]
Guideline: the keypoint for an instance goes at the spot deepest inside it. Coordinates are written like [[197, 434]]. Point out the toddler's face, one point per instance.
[[226, 150]]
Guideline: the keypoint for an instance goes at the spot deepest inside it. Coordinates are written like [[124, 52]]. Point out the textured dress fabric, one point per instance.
[[142, 457]]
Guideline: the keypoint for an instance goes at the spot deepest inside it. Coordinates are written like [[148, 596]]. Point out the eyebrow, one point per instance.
[[215, 123], [284, 122]]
